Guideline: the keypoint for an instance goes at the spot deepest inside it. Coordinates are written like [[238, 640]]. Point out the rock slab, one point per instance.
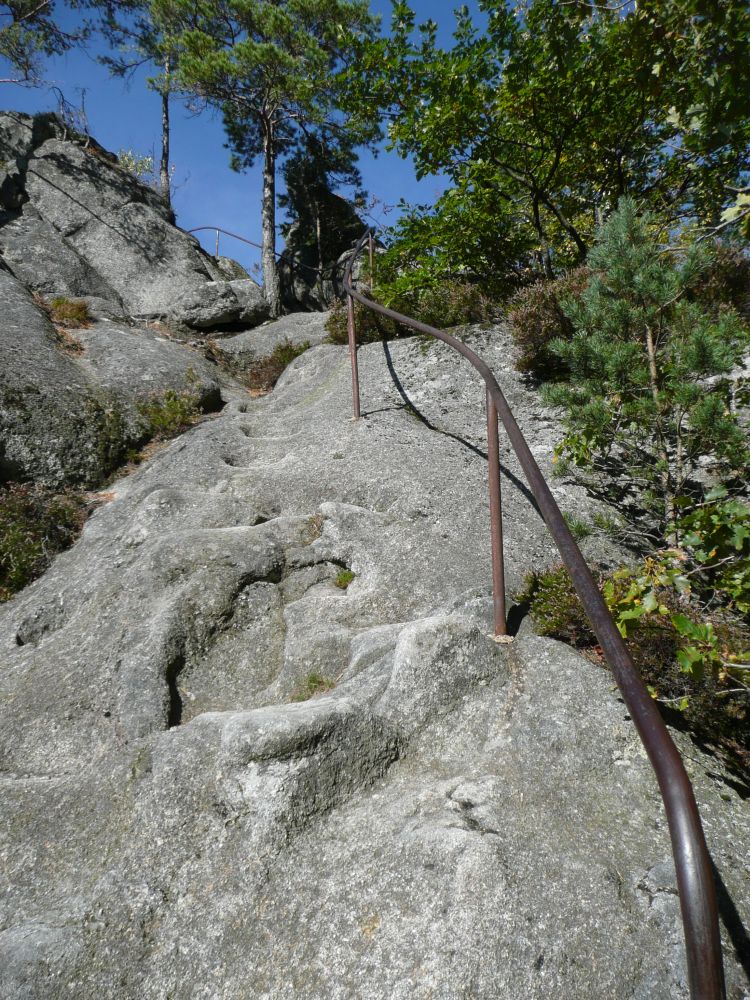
[[452, 818]]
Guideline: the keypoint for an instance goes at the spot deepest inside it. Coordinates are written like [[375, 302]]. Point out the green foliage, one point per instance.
[[72, 313], [544, 118], [536, 317], [693, 659], [35, 524], [314, 684], [464, 238], [171, 412], [646, 385], [140, 165], [30, 31], [343, 578], [716, 537]]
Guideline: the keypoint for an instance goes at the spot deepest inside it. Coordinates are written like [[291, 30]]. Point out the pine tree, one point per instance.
[[646, 384], [272, 70], [29, 32], [139, 39]]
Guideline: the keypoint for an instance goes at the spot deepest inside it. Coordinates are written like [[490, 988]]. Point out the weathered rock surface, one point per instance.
[[70, 418], [244, 348], [454, 819], [72, 222]]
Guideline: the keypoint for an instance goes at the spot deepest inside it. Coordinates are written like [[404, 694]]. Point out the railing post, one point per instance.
[[496, 519], [372, 260], [353, 354], [217, 244]]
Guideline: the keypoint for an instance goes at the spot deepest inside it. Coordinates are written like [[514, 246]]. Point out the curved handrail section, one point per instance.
[[695, 879]]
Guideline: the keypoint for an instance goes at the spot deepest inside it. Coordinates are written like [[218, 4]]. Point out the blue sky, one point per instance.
[[127, 116]]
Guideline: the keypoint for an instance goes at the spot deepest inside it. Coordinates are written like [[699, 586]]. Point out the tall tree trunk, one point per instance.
[[665, 476], [271, 285], [544, 254], [319, 240], [164, 165]]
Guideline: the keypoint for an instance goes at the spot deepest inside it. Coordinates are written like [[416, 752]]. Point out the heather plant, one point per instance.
[[536, 317], [35, 524], [443, 305]]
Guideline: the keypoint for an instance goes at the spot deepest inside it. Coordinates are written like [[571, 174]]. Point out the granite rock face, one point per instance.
[[452, 818], [73, 222], [241, 350], [69, 418]]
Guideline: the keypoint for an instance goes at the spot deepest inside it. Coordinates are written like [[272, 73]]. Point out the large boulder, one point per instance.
[[73, 222], [70, 417], [302, 284], [239, 302], [442, 817]]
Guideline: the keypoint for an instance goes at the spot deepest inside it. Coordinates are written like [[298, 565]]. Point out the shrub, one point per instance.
[[370, 327], [263, 375], [140, 165], [343, 578], [537, 318], [260, 375], [72, 313], [172, 412], [443, 305], [35, 524], [685, 652], [646, 381], [555, 608], [315, 683], [447, 304]]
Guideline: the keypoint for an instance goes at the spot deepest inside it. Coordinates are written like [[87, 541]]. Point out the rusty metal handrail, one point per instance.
[[695, 880], [279, 256]]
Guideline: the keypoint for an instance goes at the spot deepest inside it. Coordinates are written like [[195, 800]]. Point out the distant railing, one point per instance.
[[692, 862], [332, 268]]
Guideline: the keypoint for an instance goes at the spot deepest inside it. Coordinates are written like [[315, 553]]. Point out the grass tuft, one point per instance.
[[71, 313], [343, 578], [312, 685]]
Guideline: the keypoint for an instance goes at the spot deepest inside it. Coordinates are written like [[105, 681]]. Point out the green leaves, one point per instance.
[[645, 374]]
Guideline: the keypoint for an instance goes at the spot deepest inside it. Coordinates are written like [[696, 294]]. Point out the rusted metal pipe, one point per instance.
[[496, 520], [695, 880], [353, 354]]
